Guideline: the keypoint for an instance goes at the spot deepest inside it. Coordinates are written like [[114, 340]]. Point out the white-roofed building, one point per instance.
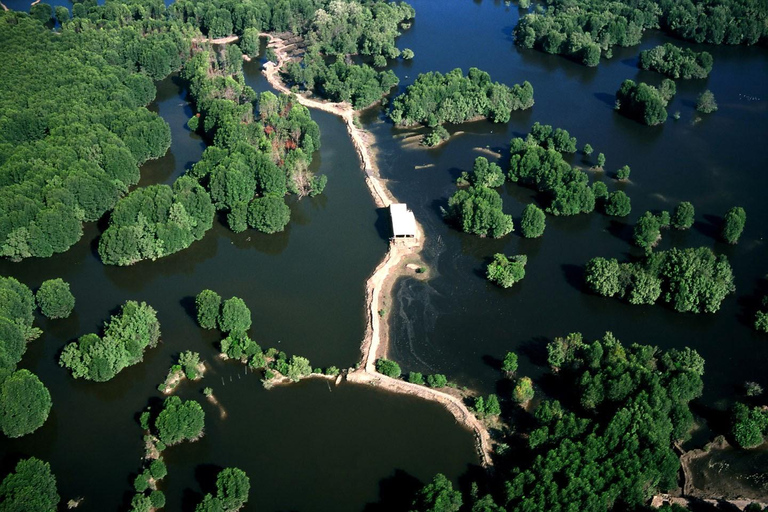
[[403, 221]]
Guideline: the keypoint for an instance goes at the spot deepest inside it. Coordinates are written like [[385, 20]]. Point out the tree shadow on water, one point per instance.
[[396, 493], [620, 230], [188, 303], [574, 275], [535, 350], [710, 226], [608, 99]]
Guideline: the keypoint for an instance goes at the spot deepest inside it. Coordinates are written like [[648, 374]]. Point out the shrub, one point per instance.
[[388, 368]]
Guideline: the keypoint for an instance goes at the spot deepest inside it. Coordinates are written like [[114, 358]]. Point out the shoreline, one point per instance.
[[378, 287]]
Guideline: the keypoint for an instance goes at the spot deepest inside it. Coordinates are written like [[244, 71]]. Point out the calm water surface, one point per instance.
[[340, 446], [461, 325]]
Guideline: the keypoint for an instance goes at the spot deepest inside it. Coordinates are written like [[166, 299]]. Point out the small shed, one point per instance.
[[403, 221]]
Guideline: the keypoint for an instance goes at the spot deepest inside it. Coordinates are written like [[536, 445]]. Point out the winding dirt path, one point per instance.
[[378, 286]]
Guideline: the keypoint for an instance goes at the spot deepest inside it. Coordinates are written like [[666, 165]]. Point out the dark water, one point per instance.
[[305, 288], [306, 447], [460, 325]]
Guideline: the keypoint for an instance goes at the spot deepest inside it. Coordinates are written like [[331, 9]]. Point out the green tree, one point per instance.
[[31, 486], [157, 498], [438, 496], [492, 406], [506, 271], [733, 224], [618, 204], [268, 214], [235, 316], [523, 391], [706, 103], [55, 299], [749, 425], [602, 276], [208, 306], [587, 149], [126, 336], [179, 421], [509, 365], [437, 380], [232, 488], [683, 215], [416, 378], [388, 368], [623, 173], [298, 367], [600, 160], [24, 404], [533, 222], [647, 232], [478, 210]]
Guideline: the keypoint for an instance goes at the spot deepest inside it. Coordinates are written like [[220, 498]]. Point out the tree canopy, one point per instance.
[[506, 270], [689, 280], [31, 486], [179, 421], [676, 62], [478, 210], [55, 299], [126, 336], [644, 103], [24, 403], [434, 99]]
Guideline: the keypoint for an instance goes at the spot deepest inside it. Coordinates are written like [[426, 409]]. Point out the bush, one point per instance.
[[506, 271], [706, 103], [438, 380], [55, 299], [388, 368], [510, 363], [416, 378], [523, 391]]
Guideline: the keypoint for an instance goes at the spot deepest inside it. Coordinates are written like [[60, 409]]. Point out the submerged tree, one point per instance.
[[733, 224], [506, 271]]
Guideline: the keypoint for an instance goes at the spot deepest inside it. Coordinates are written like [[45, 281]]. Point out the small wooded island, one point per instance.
[[234, 175]]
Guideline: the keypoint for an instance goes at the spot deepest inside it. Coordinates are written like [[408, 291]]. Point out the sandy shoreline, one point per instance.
[[379, 285]]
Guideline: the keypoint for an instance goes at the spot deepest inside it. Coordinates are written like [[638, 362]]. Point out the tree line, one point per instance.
[[589, 30], [25, 402]]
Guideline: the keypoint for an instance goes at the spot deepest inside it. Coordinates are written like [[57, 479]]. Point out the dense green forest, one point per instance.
[[603, 441], [689, 280], [434, 99], [586, 30], [676, 62], [340, 30], [73, 124]]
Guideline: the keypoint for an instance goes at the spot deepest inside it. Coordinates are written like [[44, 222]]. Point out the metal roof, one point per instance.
[[403, 220]]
